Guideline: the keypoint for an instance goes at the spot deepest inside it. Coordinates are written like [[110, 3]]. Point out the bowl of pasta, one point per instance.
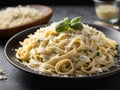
[[17, 18], [66, 49]]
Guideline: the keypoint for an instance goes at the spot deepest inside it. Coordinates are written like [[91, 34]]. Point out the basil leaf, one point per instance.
[[76, 26], [74, 20], [98, 54], [62, 26], [66, 23], [67, 20], [90, 50]]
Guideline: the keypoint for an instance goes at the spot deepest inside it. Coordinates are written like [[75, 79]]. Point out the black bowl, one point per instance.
[[13, 43]]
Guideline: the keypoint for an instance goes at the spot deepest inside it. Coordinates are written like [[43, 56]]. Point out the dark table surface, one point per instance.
[[20, 80]]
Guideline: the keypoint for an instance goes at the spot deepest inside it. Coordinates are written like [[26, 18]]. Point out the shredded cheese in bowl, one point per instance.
[[107, 12], [17, 16]]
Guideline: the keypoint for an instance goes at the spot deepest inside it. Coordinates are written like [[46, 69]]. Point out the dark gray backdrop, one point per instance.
[[47, 2]]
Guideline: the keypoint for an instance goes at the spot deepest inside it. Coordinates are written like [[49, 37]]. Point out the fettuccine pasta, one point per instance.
[[74, 52]]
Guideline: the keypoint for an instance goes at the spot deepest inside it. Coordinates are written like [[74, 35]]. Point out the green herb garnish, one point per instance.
[[63, 25], [76, 24], [90, 50], [15, 17], [40, 41], [97, 33], [98, 54], [66, 23]]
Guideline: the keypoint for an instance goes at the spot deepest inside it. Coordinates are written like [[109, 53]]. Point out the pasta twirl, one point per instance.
[[73, 52]]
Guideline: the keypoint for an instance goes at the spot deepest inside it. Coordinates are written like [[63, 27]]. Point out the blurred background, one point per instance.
[[45, 2]]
